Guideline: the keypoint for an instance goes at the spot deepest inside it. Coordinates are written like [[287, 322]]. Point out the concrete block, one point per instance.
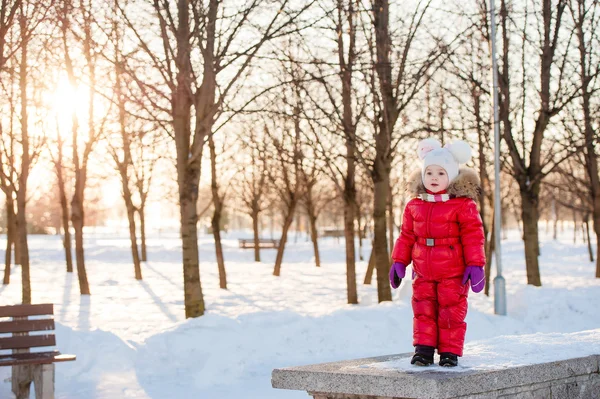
[[565, 379]]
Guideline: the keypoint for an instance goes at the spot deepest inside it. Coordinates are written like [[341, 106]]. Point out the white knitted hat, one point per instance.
[[449, 157]]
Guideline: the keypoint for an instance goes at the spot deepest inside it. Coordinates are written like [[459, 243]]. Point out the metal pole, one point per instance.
[[499, 283]]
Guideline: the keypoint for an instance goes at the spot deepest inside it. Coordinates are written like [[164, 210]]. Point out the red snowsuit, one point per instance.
[[441, 238]]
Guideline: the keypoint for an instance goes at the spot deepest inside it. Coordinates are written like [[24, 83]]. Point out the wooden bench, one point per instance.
[[27, 367], [337, 233], [262, 243]]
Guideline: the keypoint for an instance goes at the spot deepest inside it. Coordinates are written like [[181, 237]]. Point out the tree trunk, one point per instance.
[[597, 256], [555, 226], [490, 248], [22, 238], [314, 237], [380, 245], [142, 215], [312, 222], [370, 268], [574, 226], [387, 117], [586, 225], [11, 237], [597, 223], [77, 218], [194, 301], [64, 213], [216, 219], [297, 229], [7, 259], [16, 244], [596, 217], [133, 236], [189, 152], [25, 167], [289, 218], [360, 234], [484, 179], [256, 235], [596, 220], [390, 218], [349, 207], [530, 219], [215, 223]]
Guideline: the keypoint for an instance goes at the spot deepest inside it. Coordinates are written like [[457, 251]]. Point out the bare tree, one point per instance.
[[135, 154], [528, 164], [60, 170], [8, 187], [286, 177], [8, 180], [25, 161], [316, 197], [29, 17], [7, 18], [7, 51], [219, 42], [344, 108], [148, 156], [124, 162], [253, 184], [393, 92], [76, 25], [285, 134], [586, 17], [465, 80], [218, 200]]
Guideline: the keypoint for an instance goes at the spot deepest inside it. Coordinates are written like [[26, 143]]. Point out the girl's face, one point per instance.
[[435, 179]]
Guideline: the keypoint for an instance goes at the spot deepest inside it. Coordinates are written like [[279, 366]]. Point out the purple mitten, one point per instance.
[[397, 272], [477, 277]]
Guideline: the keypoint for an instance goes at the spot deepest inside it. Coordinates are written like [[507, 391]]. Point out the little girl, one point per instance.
[[442, 235]]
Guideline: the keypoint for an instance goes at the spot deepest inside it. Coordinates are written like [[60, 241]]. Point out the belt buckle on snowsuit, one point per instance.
[[430, 242]]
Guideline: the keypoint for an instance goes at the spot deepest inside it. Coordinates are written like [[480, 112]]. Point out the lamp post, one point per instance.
[[499, 282]]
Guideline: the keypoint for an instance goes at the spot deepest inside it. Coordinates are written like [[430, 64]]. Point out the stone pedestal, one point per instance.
[[576, 378]]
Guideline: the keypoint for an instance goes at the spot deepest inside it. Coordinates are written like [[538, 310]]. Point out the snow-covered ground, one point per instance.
[[132, 340]]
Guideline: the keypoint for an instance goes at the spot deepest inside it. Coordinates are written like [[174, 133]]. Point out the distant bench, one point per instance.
[[262, 243], [333, 233], [577, 378], [29, 366]]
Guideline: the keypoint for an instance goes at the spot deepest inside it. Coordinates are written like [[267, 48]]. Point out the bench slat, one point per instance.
[[26, 325], [27, 341], [29, 355], [262, 243], [26, 310], [34, 358]]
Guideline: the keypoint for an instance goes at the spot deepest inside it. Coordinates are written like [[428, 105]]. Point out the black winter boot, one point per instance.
[[448, 359], [423, 355]]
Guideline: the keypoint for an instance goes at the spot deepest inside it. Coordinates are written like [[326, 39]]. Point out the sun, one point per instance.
[[66, 101]]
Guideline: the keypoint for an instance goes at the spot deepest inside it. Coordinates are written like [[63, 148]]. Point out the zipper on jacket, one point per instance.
[[427, 223]]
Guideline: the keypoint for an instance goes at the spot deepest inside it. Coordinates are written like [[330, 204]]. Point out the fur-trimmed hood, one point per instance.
[[466, 184]]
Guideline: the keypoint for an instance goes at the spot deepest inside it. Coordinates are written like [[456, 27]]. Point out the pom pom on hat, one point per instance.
[[426, 146], [460, 150], [449, 157]]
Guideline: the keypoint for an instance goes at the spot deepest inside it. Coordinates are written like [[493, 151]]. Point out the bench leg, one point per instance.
[[21, 381], [43, 381]]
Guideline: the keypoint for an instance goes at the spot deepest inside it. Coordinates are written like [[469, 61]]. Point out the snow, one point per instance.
[[132, 340], [512, 351]]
